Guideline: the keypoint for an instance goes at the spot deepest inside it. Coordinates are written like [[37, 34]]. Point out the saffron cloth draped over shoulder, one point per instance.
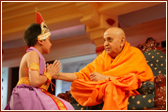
[[130, 68], [130, 60]]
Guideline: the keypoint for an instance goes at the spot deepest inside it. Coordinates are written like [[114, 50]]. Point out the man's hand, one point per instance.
[[97, 76]]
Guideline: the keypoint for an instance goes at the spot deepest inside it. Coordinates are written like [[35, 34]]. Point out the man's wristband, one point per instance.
[[57, 75]]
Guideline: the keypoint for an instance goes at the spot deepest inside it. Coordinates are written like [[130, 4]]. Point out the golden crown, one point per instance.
[[45, 33]]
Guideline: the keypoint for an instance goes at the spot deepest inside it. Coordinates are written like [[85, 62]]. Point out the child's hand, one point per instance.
[[53, 68]]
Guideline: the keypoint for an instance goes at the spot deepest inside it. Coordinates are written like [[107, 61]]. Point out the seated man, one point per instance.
[[113, 76]]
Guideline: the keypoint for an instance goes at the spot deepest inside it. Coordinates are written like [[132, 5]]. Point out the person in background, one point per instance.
[[31, 93], [113, 76]]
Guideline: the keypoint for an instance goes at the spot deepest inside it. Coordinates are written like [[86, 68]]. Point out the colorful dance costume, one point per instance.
[[26, 97]]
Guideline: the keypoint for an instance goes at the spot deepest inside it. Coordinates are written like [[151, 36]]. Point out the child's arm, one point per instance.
[[36, 79]]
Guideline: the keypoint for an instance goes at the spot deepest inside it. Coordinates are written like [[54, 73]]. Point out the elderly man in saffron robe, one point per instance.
[[113, 76]]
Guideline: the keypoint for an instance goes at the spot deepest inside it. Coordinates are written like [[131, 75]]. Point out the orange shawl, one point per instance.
[[130, 60], [129, 66]]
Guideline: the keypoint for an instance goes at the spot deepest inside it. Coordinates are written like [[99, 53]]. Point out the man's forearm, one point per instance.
[[70, 77]]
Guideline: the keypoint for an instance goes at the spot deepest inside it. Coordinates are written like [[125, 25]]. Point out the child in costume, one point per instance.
[[31, 92]]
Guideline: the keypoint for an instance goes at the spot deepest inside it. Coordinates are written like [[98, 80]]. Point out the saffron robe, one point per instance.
[[130, 68]]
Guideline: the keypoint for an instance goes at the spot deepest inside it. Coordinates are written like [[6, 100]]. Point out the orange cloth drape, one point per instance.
[[114, 91], [130, 60], [130, 66]]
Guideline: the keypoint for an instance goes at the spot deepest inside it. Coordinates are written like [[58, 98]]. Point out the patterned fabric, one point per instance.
[[139, 102], [157, 61], [147, 88]]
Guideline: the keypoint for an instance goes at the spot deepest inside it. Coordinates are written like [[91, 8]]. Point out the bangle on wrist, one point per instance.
[[49, 80], [48, 76]]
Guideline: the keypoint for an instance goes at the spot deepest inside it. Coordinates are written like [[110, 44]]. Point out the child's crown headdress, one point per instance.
[[45, 33]]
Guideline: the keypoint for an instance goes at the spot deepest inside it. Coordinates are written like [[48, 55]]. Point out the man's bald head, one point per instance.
[[114, 40], [116, 31]]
